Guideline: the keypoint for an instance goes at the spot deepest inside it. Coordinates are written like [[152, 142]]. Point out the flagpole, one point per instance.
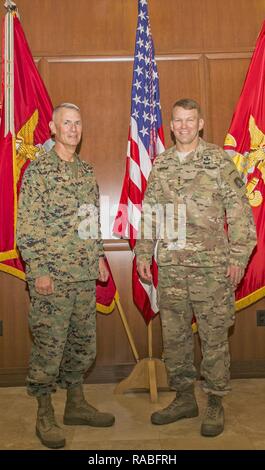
[[24, 96], [149, 373], [151, 364], [127, 329], [145, 141], [150, 339], [10, 5]]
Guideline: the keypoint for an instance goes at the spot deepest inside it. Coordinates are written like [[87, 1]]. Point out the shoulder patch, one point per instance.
[[232, 177]]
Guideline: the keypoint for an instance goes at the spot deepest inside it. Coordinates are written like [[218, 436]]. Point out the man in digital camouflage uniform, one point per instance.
[[59, 238], [194, 185]]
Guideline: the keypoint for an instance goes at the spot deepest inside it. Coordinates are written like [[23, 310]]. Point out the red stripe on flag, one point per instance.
[[134, 151], [106, 293], [30, 96], [245, 142], [145, 130]]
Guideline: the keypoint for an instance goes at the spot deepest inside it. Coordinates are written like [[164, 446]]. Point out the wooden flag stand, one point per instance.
[[127, 329], [149, 373]]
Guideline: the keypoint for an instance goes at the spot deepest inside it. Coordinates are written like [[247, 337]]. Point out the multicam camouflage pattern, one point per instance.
[[63, 325], [192, 279], [58, 201], [208, 184], [207, 293]]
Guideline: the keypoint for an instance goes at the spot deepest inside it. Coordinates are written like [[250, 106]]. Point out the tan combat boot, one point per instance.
[[78, 411], [47, 430], [183, 406], [213, 421]]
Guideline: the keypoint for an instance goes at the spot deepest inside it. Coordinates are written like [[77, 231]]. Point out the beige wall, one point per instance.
[[203, 50]]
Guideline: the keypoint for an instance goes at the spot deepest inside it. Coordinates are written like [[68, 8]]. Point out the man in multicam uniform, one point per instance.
[[200, 266], [59, 238]]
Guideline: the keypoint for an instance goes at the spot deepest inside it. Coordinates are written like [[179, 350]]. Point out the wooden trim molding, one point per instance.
[[116, 245], [229, 55], [115, 373], [16, 377], [79, 59]]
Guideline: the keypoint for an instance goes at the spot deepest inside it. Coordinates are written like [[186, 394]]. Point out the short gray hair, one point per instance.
[[64, 106]]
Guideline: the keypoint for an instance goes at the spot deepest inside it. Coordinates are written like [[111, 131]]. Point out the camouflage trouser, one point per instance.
[[63, 327], [207, 293]]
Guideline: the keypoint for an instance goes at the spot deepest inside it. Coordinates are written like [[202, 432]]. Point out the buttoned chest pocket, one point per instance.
[[62, 199], [88, 211], [87, 190]]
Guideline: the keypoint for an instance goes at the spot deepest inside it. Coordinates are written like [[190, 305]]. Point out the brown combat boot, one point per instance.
[[213, 421], [47, 430], [78, 411], [183, 406]]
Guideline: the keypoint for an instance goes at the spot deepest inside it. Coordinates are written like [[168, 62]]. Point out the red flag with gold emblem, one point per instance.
[[245, 142], [24, 130], [106, 293]]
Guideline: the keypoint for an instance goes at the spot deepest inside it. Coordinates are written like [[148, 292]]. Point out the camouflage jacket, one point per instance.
[[58, 230], [210, 191]]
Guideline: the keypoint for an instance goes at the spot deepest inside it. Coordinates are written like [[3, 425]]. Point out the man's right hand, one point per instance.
[[144, 270], [44, 285]]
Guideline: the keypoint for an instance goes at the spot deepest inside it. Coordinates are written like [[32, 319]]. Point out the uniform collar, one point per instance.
[[57, 159], [194, 155]]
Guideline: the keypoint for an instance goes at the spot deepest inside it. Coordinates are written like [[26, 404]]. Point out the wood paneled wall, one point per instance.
[[84, 52]]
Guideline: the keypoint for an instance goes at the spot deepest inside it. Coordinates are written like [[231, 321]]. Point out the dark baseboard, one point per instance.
[[248, 369], [15, 377], [101, 374]]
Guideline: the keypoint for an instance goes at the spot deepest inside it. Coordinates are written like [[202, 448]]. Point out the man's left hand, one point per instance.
[[236, 273], [103, 270]]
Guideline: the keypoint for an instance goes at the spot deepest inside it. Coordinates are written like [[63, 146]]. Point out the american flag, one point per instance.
[[145, 142]]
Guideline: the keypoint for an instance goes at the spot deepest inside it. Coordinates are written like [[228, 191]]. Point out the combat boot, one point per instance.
[[183, 406], [213, 421], [78, 411], [47, 430]]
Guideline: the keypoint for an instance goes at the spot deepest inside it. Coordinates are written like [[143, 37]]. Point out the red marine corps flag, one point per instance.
[[245, 142], [24, 136], [24, 130], [145, 142], [106, 294]]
